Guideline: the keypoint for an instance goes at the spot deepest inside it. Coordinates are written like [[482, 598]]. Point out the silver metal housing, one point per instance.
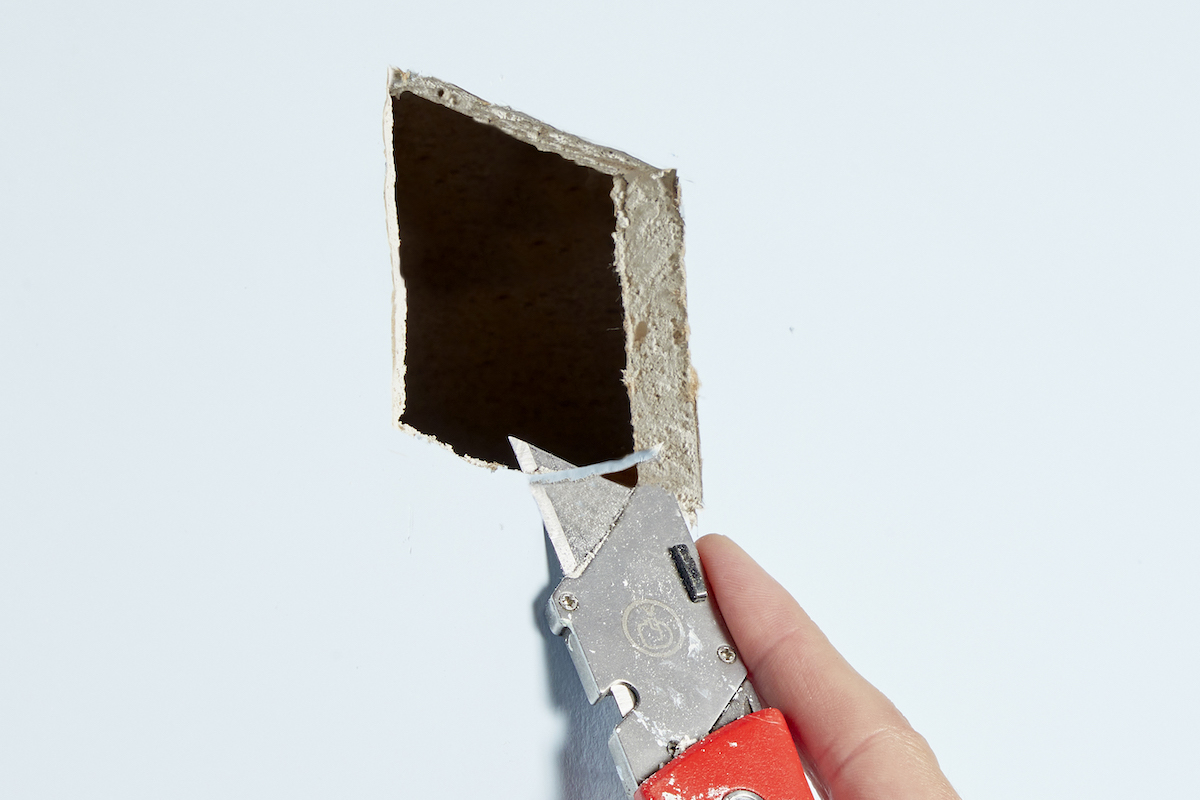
[[625, 609]]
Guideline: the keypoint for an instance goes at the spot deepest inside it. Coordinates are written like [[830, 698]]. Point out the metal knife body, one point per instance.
[[635, 611]]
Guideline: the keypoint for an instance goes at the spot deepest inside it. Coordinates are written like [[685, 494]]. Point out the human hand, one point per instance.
[[854, 743]]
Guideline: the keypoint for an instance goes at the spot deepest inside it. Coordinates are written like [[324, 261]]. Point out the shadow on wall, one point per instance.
[[586, 769]]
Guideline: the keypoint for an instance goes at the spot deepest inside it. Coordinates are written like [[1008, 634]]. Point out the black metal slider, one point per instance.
[[689, 573]]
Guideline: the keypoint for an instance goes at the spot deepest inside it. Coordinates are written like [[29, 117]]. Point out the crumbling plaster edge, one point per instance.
[[659, 376], [517, 125]]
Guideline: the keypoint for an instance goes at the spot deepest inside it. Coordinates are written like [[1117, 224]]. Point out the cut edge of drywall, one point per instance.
[[659, 375], [648, 257], [399, 306]]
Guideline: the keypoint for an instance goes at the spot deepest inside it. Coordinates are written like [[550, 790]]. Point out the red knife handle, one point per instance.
[[752, 754]]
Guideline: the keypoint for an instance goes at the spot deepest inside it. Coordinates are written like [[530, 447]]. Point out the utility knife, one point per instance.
[[639, 622]]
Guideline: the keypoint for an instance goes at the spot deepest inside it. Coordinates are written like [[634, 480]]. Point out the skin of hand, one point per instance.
[[854, 744]]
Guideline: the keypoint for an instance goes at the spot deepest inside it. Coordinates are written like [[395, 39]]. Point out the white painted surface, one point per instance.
[[943, 280]]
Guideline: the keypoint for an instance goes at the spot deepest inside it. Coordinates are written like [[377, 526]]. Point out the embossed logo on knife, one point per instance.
[[652, 628]]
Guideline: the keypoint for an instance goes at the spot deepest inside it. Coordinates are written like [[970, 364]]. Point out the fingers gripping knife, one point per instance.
[[640, 625]]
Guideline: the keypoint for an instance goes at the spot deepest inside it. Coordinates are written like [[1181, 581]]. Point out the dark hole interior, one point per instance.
[[515, 320]]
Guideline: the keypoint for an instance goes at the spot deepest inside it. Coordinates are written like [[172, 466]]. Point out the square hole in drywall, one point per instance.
[[540, 290], [514, 321]]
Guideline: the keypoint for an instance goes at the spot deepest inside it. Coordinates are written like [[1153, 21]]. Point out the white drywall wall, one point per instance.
[[942, 283]]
